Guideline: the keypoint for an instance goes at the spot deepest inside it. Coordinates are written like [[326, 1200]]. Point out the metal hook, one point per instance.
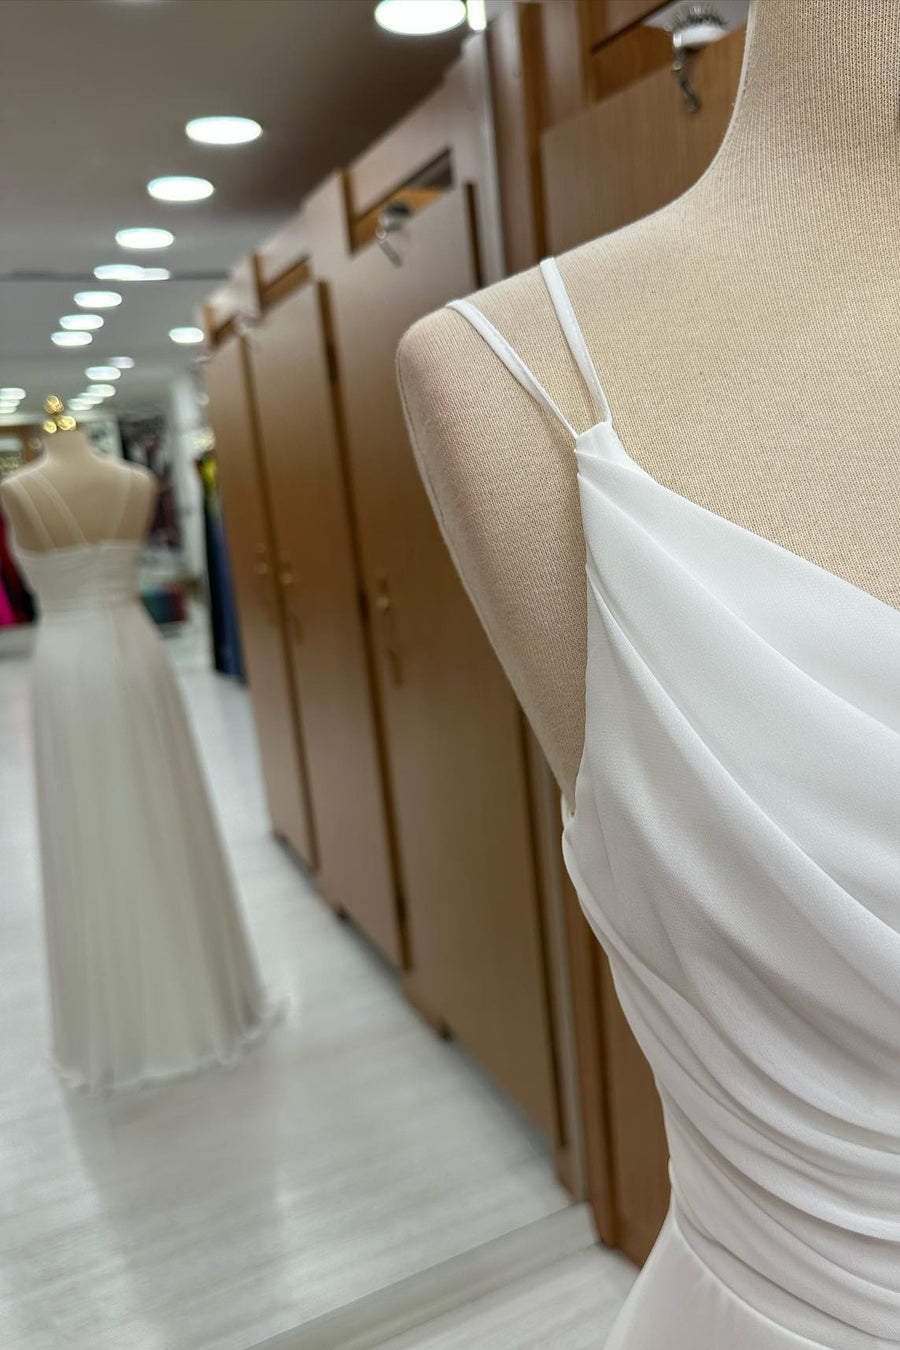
[[392, 218], [693, 29]]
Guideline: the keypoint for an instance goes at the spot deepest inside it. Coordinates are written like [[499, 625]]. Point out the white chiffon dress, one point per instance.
[[735, 844], [150, 971]]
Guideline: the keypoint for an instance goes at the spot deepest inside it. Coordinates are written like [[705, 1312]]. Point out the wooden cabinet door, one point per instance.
[[453, 730], [322, 601], [253, 566], [640, 148]]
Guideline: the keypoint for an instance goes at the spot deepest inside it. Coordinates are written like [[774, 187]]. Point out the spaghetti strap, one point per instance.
[[33, 514], [573, 335], [511, 359], [61, 505], [123, 506]]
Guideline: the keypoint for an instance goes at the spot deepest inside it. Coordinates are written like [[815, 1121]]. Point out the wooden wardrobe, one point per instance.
[[408, 738]]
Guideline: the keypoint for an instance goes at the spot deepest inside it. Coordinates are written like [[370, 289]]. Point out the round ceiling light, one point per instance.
[[180, 189], [418, 18], [223, 130], [103, 373], [186, 337], [70, 339], [11, 393], [101, 390], [130, 272], [98, 299], [84, 323], [81, 404], [144, 237], [123, 362]]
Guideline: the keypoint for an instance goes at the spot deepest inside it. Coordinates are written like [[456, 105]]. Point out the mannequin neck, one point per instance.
[[815, 138], [69, 447]]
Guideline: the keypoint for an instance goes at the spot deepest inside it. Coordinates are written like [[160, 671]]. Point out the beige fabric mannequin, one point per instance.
[[747, 339], [92, 487]]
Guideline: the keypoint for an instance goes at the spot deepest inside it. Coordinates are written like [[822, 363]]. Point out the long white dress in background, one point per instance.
[[150, 970]]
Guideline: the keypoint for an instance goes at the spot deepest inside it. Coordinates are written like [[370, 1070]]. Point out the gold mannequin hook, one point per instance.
[[58, 419]]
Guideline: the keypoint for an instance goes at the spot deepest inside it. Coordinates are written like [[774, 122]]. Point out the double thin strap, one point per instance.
[[572, 333], [63, 508], [33, 514], [123, 505]]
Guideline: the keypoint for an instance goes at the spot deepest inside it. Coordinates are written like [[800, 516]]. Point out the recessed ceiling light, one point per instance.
[[98, 299], [419, 17], [101, 390], [223, 130], [11, 392], [130, 272], [81, 404], [84, 323], [177, 189], [123, 362], [8, 408], [103, 373], [142, 237], [71, 339], [186, 337], [92, 399], [475, 13]]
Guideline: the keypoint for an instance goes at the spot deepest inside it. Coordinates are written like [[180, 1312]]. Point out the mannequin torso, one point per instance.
[[746, 339], [103, 495]]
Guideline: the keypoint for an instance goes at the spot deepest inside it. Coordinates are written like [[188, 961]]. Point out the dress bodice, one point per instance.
[[87, 577]]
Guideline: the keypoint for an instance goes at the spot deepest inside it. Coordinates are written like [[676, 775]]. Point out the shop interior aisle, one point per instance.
[[352, 1151]]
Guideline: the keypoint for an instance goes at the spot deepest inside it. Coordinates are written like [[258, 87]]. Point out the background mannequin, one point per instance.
[[746, 336], [89, 483]]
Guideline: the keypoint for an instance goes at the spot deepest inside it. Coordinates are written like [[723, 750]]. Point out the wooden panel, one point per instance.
[[640, 1155], [564, 60], [238, 297], [454, 730], [605, 18], [514, 52], [256, 592], [638, 52], [637, 150], [299, 438]]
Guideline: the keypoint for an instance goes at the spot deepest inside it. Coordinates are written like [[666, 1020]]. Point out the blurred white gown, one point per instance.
[[735, 845], [150, 971]]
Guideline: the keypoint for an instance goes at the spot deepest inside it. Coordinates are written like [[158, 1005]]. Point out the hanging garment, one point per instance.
[[150, 970], [226, 643], [11, 583], [735, 844]]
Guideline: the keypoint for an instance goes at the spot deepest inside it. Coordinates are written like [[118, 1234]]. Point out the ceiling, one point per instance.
[[94, 95]]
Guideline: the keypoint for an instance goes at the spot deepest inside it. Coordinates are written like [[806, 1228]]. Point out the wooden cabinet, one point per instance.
[[324, 610], [257, 592], [635, 151], [454, 733]]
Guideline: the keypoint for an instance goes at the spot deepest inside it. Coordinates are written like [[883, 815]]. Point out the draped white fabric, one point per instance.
[[150, 970], [735, 844]]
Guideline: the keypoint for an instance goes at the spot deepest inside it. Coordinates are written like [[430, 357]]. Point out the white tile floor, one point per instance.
[[350, 1151]]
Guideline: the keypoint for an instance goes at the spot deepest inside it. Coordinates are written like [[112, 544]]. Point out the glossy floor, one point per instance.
[[352, 1150]]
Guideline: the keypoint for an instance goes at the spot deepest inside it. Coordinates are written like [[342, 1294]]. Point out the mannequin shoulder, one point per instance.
[[144, 483], [447, 373]]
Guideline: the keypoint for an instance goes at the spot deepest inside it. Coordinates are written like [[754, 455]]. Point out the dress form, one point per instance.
[[746, 339], [91, 487]]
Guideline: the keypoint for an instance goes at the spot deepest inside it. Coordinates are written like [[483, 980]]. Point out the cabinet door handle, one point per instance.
[[384, 607]]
